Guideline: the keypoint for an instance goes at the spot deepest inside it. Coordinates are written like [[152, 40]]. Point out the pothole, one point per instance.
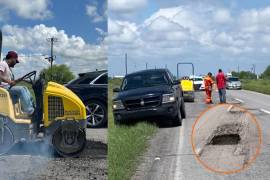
[[227, 139], [226, 134]]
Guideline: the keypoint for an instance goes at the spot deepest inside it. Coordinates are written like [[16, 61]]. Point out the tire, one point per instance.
[[183, 110], [177, 121], [192, 99], [71, 150], [8, 140], [97, 116], [119, 122]]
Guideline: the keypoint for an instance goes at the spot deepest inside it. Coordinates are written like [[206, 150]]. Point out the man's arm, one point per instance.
[[2, 79], [225, 79]]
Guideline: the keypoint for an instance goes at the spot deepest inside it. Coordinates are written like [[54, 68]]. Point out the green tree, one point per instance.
[[266, 73], [59, 73], [244, 75]]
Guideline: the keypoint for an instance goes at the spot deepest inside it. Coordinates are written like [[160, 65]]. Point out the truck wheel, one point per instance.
[[183, 109], [177, 121], [119, 122]]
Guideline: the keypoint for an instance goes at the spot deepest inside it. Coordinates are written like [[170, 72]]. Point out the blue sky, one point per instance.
[[69, 16], [211, 34], [80, 27]]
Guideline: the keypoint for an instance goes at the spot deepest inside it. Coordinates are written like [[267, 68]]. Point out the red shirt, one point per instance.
[[221, 80]]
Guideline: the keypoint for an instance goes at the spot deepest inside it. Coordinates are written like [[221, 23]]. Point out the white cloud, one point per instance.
[[122, 32], [191, 31], [222, 16], [101, 31], [71, 50], [92, 12], [27, 9], [126, 6], [189, 25], [255, 20]]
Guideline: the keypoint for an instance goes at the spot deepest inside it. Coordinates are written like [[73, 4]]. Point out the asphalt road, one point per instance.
[[33, 161], [170, 155]]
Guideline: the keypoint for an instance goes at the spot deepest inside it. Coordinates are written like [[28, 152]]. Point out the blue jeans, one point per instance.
[[222, 95], [22, 93]]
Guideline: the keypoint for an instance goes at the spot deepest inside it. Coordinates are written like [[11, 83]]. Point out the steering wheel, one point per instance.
[[27, 78]]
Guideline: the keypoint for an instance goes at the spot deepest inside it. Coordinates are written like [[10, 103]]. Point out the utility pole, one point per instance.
[[146, 66], [126, 63], [52, 40], [238, 69], [253, 68]]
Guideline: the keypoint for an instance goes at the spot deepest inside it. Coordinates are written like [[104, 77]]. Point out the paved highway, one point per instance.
[[170, 154]]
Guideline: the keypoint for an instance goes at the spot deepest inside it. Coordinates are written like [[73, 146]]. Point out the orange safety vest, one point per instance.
[[208, 83]]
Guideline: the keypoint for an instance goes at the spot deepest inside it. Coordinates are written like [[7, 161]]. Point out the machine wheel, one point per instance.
[[6, 139], [96, 114], [69, 141]]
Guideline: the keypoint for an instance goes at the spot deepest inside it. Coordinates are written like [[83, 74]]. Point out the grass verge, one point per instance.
[[261, 86], [126, 143]]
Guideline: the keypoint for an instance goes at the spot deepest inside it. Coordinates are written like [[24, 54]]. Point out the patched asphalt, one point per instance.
[[35, 161]]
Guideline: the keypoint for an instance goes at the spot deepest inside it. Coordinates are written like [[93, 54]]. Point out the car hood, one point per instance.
[[156, 90], [198, 82], [234, 82]]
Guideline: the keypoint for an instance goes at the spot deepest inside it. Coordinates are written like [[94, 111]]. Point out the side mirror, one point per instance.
[[116, 90], [176, 82]]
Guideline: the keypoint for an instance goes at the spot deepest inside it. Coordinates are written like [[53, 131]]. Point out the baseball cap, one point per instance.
[[12, 54]]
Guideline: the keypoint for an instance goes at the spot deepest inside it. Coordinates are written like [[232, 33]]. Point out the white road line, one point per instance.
[[265, 111], [240, 100], [178, 170], [230, 108]]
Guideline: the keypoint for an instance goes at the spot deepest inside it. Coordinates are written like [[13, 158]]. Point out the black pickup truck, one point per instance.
[[149, 94]]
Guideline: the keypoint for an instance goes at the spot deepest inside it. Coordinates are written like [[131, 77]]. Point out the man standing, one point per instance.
[[7, 81], [208, 84], [221, 83]]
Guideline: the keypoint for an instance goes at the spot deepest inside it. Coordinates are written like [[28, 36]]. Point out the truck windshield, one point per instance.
[[198, 79], [233, 79], [144, 80]]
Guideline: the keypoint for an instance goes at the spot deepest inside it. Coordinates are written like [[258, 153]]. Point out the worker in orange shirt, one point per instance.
[[208, 84]]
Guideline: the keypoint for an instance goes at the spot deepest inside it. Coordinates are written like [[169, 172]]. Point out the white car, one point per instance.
[[233, 83], [198, 82]]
